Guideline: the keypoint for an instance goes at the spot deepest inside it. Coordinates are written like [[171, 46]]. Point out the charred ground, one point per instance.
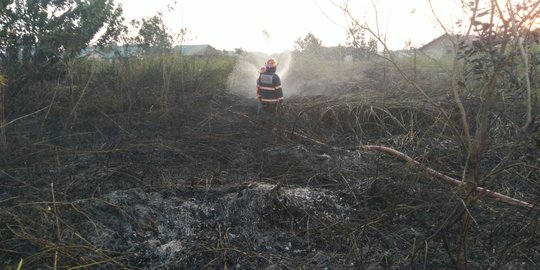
[[210, 185]]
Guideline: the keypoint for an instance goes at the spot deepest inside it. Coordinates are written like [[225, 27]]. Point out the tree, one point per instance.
[[356, 38], [36, 35], [155, 39], [240, 51], [153, 34], [308, 43]]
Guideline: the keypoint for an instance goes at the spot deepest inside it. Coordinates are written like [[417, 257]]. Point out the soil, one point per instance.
[[212, 185]]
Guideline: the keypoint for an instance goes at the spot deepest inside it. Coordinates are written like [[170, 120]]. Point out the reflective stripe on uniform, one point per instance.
[[269, 100]]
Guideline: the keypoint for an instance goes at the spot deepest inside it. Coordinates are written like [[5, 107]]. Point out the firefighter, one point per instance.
[[269, 91]]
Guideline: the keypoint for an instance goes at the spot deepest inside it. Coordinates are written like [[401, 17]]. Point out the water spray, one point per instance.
[[242, 79]]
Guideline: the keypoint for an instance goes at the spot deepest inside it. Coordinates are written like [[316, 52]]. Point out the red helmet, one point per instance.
[[270, 63]]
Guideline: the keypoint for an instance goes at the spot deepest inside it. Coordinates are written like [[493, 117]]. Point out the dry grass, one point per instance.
[[93, 181]]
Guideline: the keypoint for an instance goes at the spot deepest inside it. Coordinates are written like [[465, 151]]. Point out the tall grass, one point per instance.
[[127, 84]]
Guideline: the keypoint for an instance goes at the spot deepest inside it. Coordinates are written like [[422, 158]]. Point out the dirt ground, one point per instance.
[[211, 185]]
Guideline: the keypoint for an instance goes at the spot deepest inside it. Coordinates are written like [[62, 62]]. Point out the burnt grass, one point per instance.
[[211, 185]]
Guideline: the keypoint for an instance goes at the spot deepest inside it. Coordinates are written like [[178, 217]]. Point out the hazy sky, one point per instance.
[[273, 26]]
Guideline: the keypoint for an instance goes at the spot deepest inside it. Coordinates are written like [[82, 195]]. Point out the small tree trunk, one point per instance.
[[166, 82], [525, 58], [461, 261], [3, 139]]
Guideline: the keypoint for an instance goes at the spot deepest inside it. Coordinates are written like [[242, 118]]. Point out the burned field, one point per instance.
[[210, 185]]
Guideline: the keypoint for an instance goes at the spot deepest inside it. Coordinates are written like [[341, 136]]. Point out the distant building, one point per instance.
[[112, 51], [195, 50], [128, 51], [443, 45], [403, 53], [439, 47]]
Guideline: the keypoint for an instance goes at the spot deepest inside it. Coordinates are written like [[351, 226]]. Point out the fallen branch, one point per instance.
[[492, 194]]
